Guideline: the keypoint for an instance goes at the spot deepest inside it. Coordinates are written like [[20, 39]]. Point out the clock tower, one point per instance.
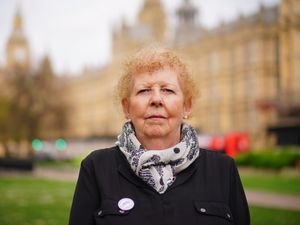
[[17, 48], [152, 17]]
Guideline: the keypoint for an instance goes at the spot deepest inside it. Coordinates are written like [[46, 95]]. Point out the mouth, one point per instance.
[[155, 117]]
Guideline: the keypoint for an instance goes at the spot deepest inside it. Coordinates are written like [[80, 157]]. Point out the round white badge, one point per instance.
[[126, 204]]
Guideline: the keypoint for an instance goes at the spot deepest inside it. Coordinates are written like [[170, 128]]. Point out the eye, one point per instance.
[[145, 90], [168, 90]]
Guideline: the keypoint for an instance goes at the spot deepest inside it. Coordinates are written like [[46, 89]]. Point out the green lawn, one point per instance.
[[266, 216], [32, 201], [272, 180]]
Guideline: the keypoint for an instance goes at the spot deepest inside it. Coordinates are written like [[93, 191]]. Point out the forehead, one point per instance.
[[163, 76]]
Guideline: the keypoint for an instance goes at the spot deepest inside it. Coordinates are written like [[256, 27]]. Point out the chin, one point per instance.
[[155, 133]]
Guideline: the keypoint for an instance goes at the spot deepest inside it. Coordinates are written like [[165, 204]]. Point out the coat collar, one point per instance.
[[125, 170]]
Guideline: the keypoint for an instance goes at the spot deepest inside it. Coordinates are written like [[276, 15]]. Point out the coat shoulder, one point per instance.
[[100, 156], [214, 157]]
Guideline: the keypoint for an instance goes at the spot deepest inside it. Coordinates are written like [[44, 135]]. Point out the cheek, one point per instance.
[[137, 107], [176, 107]]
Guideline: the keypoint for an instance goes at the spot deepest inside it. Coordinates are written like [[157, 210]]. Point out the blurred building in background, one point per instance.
[[248, 71]]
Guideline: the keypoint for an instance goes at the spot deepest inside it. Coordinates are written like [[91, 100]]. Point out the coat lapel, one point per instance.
[[185, 175], [125, 170]]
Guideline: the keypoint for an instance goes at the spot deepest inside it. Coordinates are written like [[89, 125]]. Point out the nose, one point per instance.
[[156, 98]]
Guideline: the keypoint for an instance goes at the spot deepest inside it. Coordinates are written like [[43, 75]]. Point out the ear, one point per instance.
[[125, 106], [188, 105]]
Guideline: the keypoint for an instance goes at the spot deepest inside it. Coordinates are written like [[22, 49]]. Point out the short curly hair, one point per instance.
[[151, 59]]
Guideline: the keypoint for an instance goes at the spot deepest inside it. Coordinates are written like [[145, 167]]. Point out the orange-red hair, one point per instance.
[[152, 59]]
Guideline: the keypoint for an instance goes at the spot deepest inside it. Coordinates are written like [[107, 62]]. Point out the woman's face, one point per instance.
[[156, 105]]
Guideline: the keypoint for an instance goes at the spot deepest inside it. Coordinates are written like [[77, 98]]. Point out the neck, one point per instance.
[[159, 143]]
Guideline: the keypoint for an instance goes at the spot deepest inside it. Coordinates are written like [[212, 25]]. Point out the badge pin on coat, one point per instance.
[[126, 204]]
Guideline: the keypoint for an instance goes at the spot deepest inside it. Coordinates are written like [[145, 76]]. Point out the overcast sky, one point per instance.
[[77, 33]]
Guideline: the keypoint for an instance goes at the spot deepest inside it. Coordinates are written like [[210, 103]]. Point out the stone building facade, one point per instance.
[[240, 67]]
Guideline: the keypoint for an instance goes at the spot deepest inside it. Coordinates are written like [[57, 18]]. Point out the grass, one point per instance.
[[271, 180], [264, 216], [30, 201], [34, 201]]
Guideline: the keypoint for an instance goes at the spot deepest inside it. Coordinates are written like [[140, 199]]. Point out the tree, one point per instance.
[[33, 108], [49, 103], [5, 111]]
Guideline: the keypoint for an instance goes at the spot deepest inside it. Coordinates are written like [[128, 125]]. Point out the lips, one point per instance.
[[155, 117]]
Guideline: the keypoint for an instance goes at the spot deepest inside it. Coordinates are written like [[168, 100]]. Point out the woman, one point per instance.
[[157, 174]]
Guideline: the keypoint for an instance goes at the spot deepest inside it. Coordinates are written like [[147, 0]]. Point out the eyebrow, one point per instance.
[[161, 84]]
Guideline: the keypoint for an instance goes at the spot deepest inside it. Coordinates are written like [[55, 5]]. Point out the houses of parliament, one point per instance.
[[247, 71]]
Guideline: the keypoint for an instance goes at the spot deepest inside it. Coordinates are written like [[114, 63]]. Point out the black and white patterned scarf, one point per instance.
[[158, 168]]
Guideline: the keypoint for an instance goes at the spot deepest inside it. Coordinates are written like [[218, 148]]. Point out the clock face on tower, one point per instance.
[[19, 54]]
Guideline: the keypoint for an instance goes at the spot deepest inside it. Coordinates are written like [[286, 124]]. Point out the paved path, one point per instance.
[[65, 175], [273, 200], [255, 198]]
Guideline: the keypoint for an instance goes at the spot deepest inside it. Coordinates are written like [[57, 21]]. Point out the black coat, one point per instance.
[[208, 192]]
